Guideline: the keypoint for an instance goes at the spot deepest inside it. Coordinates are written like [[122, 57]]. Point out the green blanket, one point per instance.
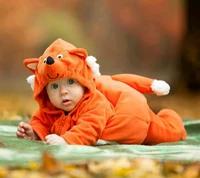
[[15, 152]]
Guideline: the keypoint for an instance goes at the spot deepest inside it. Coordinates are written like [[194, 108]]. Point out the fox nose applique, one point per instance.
[[49, 60]]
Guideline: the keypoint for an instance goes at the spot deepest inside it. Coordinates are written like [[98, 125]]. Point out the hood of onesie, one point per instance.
[[60, 60]]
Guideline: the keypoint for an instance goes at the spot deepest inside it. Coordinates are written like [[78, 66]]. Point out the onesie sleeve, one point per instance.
[[40, 125], [91, 122], [140, 83]]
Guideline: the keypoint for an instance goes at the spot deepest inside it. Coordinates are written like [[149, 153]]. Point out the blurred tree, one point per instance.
[[19, 36], [141, 37], [190, 54]]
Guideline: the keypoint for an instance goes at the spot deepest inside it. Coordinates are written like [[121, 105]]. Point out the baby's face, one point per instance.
[[65, 93]]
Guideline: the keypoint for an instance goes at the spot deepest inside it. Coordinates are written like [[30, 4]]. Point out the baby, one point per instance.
[[77, 105]]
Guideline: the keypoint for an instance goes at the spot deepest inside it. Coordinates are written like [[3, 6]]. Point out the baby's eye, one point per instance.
[[59, 56], [54, 86], [70, 81]]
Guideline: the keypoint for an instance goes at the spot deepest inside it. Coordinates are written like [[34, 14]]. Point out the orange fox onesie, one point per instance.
[[113, 107]]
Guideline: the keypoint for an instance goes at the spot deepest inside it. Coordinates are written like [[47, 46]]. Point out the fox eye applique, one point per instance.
[[59, 56], [45, 60]]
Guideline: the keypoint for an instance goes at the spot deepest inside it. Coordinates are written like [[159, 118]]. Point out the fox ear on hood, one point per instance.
[[31, 64], [79, 52]]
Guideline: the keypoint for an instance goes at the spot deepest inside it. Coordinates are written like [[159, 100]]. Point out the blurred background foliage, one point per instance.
[[157, 39]]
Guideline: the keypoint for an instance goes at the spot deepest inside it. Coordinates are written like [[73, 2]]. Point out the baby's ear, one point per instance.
[[79, 52], [31, 64]]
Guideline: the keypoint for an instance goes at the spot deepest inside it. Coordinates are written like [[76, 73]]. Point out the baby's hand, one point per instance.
[[54, 139], [26, 131]]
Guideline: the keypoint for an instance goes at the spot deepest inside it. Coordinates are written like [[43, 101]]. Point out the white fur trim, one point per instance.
[[31, 80], [160, 87], [104, 142], [91, 62]]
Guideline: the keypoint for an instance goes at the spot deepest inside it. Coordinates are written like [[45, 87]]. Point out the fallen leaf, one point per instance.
[[50, 165], [2, 145]]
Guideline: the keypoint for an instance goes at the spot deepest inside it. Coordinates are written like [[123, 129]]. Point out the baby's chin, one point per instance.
[[67, 109]]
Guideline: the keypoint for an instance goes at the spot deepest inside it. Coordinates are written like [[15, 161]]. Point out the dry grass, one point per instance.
[[16, 105], [21, 105], [187, 104]]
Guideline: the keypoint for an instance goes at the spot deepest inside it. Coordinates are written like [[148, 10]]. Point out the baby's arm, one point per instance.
[[26, 131]]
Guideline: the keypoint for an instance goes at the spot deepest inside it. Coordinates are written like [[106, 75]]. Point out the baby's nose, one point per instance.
[[63, 90]]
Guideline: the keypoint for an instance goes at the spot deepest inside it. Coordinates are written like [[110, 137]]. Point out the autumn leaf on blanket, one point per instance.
[[2, 145]]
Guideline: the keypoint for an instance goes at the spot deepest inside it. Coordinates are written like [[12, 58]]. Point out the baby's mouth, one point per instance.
[[65, 101]]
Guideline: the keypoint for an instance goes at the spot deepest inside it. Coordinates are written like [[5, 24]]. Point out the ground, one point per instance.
[[17, 106]]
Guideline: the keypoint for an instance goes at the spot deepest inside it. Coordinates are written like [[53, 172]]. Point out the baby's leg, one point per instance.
[[166, 126]]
